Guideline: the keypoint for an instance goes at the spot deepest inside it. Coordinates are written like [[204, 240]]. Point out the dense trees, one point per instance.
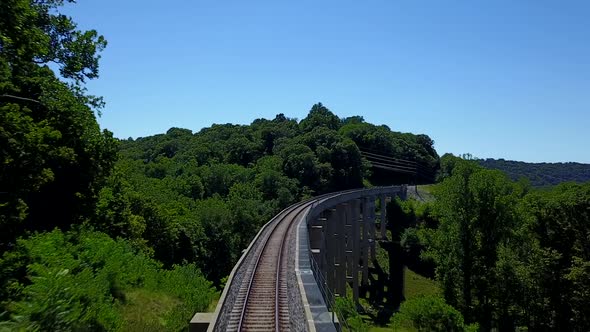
[[540, 174], [476, 210], [207, 193], [381, 140], [53, 152], [506, 256], [555, 233]]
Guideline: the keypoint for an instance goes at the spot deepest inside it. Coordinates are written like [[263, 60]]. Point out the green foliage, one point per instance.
[[508, 257], [32, 32], [381, 140], [319, 116], [186, 283], [53, 152], [447, 164], [540, 174], [428, 313], [71, 286], [80, 281], [346, 310], [477, 213], [552, 259], [203, 196]]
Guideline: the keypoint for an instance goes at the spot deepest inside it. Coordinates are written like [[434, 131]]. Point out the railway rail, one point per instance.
[[262, 301]]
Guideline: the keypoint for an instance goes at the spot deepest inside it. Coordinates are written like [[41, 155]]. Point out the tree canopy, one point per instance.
[[508, 256], [53, 151]]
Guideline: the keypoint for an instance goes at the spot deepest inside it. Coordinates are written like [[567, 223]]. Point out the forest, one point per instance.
[[100, 233], [540, 174]]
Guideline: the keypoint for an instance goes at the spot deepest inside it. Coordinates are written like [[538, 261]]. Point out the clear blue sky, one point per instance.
[[499, 79]]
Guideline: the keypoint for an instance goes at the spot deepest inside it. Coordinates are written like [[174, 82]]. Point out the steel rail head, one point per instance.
[[277, 283]]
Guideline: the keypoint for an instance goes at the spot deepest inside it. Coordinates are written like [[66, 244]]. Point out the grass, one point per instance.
[[212, 305], [426, 188], [425, 192], [145, 310], [416, 285]]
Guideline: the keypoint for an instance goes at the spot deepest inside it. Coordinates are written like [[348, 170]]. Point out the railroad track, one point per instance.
[[262, 302]]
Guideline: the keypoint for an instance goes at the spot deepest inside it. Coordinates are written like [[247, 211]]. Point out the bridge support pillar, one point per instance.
[[368, 236], [317, 238], [355, 214], [349, 243], [383, 216], [340, 280], [330, 238]]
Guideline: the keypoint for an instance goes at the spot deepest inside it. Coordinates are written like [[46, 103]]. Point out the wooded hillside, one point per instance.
[[540, 174], [202, 196]]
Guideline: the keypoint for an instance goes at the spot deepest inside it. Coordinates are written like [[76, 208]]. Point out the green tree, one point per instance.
[[53, 152], [319, 116], [477, 213], [300, 162], [555, 288]]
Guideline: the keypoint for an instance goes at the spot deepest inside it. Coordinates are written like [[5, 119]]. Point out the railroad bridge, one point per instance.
[[308, 254]]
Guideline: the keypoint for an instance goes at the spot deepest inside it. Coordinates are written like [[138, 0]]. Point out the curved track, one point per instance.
[[262, 302], [257, 296]]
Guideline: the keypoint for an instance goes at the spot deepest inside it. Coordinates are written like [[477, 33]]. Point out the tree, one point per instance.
[[319, 116], [299, 162], [557, 233], [34, 33], [53, 152], [477, 213]]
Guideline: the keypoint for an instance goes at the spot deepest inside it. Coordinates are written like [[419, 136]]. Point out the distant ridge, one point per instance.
[[540, 174]]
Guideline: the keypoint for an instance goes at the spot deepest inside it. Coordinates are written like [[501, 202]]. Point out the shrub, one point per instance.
[[80, 281], [428, 313]]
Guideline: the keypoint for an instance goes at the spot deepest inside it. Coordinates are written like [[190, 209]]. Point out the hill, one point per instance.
[[540, 174], [201, 196]]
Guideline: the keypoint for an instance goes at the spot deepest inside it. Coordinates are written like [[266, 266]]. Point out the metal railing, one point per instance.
[[329, 296]]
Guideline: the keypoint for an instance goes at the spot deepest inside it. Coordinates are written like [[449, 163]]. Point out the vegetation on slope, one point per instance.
[[540, 174]]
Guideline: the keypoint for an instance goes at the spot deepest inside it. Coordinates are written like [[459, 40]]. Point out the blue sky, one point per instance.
[[498, 79]]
